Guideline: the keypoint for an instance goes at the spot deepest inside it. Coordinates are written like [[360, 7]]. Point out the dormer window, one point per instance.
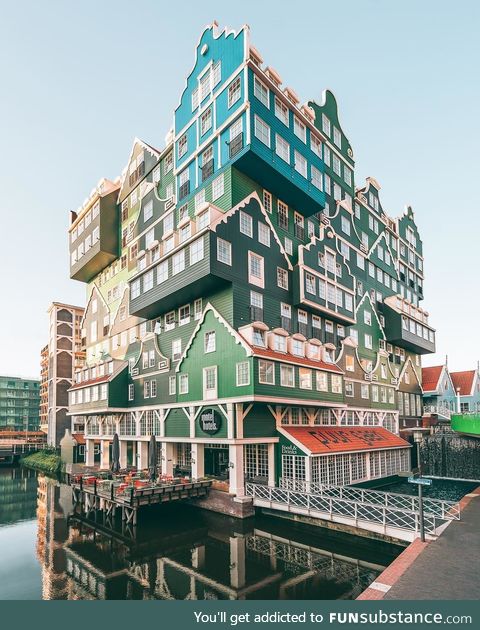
[[280, 343], [258, 338], [329, 355], [298, 348], [313, 351]]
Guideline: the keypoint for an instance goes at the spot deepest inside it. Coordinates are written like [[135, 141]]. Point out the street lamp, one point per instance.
[[417, 438]]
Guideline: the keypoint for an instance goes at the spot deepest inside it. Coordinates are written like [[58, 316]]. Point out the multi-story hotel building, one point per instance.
[[60, 359], [248, 302], [19, 404]]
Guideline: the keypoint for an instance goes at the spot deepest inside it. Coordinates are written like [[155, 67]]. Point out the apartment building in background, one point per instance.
[[19, 404]]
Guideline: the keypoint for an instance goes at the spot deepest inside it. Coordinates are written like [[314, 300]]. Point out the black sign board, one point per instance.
[[210, 421]]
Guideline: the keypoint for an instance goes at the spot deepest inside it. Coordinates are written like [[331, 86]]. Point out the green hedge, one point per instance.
[[46, 461]]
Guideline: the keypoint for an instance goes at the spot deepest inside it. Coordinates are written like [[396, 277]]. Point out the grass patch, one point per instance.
[[46, 461]]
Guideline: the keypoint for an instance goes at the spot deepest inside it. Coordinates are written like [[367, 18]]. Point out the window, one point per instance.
[[337, 137], [162, 272], [336, 165], [170, 321], [288, 245], [298, 347], [196, 251], [184, 315], [258, 338], [206, 121], [299, 129], [197, 308], [243, 373], [218, 187], [210, 383], [148, 210], [325, 125], [194, 99], [168, 222], [310, 283], [172, 385], [135, 289], [305, 378], [148, 280], [131, 391], [281, 111], [321, 381], [176, 349], [282, 278], [282, 148], [368, 342], [224, 251], [345, 225], [261, 91], [153, 389], [300, 164], [209, 341], [255, 269], [282, 215], [168, 163], [317, 179], [367, 317], [183, 383], [267, 201], [287, 376], [178, 262], [279, 343], [234, 91], [266, 372], [246, 224], [347, 177], [182, 145], [263, 233], [364, 391], [262, 131], [336, 384], [146, 389]]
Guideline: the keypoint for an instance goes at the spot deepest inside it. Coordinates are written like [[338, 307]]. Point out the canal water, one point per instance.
[[179, 552]]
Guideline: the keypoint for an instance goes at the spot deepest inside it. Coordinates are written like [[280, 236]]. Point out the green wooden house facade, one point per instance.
[[258, 293]]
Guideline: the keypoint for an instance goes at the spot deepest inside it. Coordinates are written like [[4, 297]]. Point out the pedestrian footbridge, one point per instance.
[[393, 515]]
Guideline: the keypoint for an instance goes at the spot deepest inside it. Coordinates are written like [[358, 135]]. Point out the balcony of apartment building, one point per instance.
[[93, 234], [407, 325], [182, 267]]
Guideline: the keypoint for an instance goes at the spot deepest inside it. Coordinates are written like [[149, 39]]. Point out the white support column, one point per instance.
[[236, 476], [191, 419], [89, 452], [271, 465], [162, 421], [198, 461], [105, 454], [167, 458], [237, 561], [137, 421], [123, 453], [142, 455], [198, 557], [230, 421]]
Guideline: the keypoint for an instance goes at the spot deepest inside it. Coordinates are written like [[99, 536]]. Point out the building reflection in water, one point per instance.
[[183, 553], [18, 495]]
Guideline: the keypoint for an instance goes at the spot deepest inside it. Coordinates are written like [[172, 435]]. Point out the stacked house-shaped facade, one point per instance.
[[259, 311]]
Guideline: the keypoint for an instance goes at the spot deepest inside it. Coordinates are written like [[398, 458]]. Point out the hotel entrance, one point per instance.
[[216, 461]]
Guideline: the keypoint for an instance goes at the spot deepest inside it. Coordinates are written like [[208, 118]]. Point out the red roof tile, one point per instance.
[[291, 358], [79, 438], [323, 440], [430, 376], [463, 381]]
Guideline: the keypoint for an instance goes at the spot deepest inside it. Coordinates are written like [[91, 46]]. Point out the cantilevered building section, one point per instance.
[[60, 359], [255, 289]]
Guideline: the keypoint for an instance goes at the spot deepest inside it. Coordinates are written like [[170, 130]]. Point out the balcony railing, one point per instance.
[[440, 410]]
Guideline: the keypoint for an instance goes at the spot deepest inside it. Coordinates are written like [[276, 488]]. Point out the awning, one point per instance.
[[324, 440]]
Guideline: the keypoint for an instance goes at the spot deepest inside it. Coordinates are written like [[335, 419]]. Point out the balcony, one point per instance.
[[94, 241], [409, 331]]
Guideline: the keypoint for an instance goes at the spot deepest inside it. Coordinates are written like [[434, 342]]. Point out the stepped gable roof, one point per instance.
[[430, 378], [463, 381], [334, 439]]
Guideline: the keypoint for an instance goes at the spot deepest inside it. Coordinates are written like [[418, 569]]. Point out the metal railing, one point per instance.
[[444, 510], [441, 410], [338, 509]]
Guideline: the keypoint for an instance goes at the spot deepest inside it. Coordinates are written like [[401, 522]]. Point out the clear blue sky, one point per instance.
[[79, 80]]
